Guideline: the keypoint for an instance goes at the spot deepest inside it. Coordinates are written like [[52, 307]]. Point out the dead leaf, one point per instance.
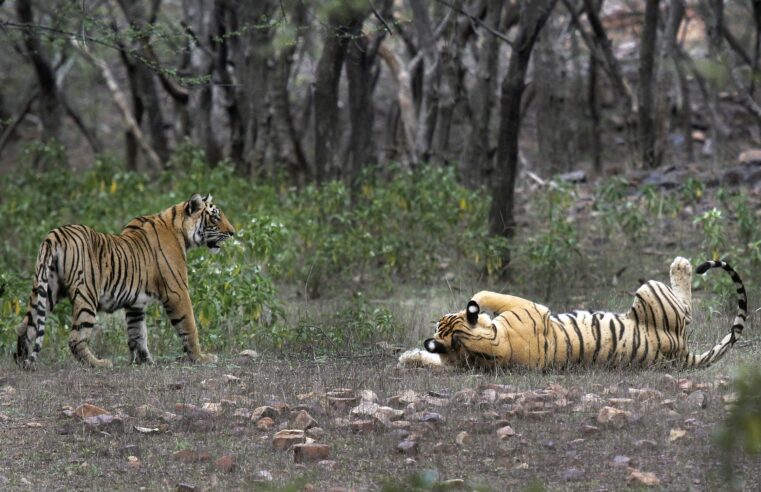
[[675, 434], [645, 478], [146, 430]]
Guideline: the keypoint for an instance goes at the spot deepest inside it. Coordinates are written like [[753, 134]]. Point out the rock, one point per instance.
[[242, 413], [185, 487], [341, 403], [645, 394], [263, 476], [249, 353], [435, 401], [572, 474], [265, 411], [589, 429], [146, 430], [265, 423], [363, 426], [213, 408], [445, 448], [386, 415], [365, 409], [403, 399], [303, 420], [368, 396], [645, 478], [315, 433], [619, 401], [148, 411], [86, 410], [578, 176], [225, 463], [432, 417], [190, 411], [451, 484], [613, 417], [487, 396], [463, 438], [752, 156], [229, 378], [286, 438], [697, 399], [685, 384], [645, 444], [408, 447], [133, 463], [310, 452], [104, 423], [591, 400], [505, 432], [130, 450], [185, 455], [621, 461]]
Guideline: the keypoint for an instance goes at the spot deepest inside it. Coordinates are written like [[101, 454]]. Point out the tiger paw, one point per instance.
[[105, 363], [681, 274], [204, 358]]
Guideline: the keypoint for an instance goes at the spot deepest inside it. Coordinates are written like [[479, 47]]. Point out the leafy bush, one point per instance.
[[322, 238]]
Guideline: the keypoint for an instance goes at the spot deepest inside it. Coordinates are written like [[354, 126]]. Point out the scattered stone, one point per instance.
[[242, 413], [697, 399], [368, 396], [487, 396], [265, 423], [186, 487], [363, 426], [341, 403], [645, 478], [263, 476], [505, 432], [465, 396], [432, 417], [613, 417], [591, 400], [310, 452], [265, 411], [286, 438], [365, 409], [185, 455], [589, 429], [315, 433], [249, 353], [133, 463], [645, 394], [408, 447], [229, 378], [303, 420], [388, 414], [578, 176], [549, 443], [751, 156], [130, 450], [435, 401], [621, 461], [619, 401], [225, 463], [213, 408], [463, 439], [444, 448], [191, 411], [572, 474], [86, 410], [150, 412], [645, 443], [676, 434], [146, 430], [451, 484], [104, 423]]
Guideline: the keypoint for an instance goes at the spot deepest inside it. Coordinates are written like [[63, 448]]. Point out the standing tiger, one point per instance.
[[526, 334], [105, 272]]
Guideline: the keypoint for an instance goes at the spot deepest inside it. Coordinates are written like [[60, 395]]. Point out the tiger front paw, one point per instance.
[[204, 358]]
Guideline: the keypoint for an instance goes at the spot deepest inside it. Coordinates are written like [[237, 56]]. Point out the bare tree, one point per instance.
[[650, 155], [533, 16]]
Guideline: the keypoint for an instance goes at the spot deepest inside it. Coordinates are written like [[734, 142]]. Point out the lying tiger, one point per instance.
[[105, 272], [526, 334]]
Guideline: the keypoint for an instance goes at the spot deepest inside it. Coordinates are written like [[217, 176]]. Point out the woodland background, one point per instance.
[[382, 161]]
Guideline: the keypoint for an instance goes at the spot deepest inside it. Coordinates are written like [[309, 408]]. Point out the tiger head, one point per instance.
[[461, 336], [205, 224]]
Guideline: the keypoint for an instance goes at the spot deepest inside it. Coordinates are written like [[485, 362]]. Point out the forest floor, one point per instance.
[[179, 426], [368, 425]]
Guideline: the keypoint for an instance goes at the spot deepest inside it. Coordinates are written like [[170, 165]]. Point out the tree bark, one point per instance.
[[534, 14], [476, 162], [48, 102], [650, 155], [344, 22]]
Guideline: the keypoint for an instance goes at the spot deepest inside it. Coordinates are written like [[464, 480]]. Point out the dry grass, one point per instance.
[[52, 451]]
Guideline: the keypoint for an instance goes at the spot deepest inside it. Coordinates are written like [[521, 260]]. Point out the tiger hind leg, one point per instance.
[[137, 334], [31, 332], [681, 283], [82, 325]]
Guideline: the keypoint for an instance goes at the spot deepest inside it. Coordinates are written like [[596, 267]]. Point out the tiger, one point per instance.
[[525, 334], [101, 272]]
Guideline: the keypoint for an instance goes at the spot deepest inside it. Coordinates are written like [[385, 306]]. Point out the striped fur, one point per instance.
[[104, 272], [526, 334]]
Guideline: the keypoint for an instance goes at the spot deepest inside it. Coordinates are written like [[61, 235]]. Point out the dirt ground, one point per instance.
[[179, 426]]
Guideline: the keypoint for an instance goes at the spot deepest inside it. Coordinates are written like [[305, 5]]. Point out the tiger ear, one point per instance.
[[194, 204], [207, 198], [472, 312]]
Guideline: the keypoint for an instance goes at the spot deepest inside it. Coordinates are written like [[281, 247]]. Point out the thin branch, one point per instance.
[[18, 119], [379, 17], [478, 21]]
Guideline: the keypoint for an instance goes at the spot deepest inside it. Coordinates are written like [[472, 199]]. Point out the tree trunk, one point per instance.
[[48, 102], [650, 155], [534, 14], [343, 22], [429, 97], [476, 162]]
